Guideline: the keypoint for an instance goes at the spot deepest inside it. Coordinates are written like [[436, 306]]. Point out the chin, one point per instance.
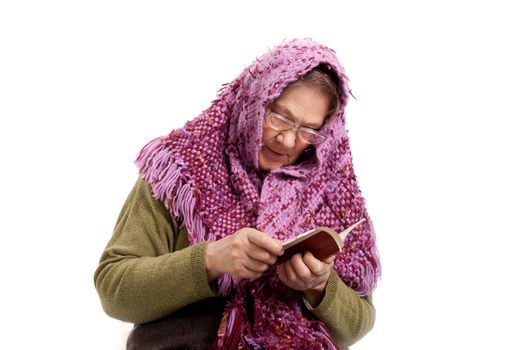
[[267, 166], [267, 163]]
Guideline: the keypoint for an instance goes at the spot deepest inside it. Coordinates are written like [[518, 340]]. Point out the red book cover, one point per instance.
[[322, 242]]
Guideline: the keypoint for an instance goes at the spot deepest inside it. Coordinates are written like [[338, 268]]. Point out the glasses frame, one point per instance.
[[294, 127]]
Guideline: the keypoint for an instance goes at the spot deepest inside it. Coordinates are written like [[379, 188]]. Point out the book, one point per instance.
[[322, 242]]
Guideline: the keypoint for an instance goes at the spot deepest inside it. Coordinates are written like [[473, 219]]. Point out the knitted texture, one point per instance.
[[207, 175]]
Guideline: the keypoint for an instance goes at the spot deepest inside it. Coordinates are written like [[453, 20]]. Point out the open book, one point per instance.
[[322, 242]]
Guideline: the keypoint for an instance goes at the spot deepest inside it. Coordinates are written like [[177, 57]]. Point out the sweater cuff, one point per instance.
[[198, 271], [329, 295]]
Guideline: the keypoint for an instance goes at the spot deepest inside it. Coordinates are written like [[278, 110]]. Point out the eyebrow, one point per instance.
[[289, 114]]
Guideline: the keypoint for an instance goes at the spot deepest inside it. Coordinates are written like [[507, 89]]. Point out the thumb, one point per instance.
[[329, 260]]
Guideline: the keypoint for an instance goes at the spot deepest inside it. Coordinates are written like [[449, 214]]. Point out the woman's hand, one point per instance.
[[305, 273], [245, 254]]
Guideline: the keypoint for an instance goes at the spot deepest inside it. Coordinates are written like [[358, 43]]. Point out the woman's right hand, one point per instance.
[[245, 254]]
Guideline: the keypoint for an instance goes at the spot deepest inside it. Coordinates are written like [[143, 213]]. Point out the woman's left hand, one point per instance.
[[305, 273]]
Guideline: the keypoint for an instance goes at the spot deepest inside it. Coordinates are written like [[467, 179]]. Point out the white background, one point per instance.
[[436, 132]]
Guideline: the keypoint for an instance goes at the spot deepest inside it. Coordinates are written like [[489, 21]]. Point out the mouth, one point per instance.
[[276, 155]]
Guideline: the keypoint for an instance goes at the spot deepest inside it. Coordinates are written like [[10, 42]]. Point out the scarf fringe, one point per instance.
[[372, 269], [230, 329], [165, 174], [327, 339], [230, 334]]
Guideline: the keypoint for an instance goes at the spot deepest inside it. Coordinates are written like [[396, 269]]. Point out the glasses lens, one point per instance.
[[279, 123], [310, 136]]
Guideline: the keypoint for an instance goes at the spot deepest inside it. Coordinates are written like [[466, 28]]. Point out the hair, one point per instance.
[[325, 79]]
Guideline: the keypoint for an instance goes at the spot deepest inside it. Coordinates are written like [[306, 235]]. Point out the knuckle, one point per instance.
[[304, 275], [318, 271], [263, 267], [292, 278], [268, 257], [236, 244]]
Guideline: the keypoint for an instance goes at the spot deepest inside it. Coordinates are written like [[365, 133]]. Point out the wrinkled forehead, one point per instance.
[[304, 104]]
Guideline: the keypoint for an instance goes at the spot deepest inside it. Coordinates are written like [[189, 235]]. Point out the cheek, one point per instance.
[[267, 135]]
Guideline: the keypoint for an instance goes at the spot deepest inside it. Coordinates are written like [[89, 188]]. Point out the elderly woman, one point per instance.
[[192, 261]]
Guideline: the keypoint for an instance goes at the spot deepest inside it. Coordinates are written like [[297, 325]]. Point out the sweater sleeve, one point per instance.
[[141, 277], [347, 316]]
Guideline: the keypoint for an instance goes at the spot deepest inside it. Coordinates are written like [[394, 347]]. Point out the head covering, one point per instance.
[[207, 175]]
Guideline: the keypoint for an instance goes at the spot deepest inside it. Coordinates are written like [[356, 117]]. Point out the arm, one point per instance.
[[347, 316], [140, 277]]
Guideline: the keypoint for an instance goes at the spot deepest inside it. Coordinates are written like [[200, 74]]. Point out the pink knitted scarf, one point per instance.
[[207, 175]]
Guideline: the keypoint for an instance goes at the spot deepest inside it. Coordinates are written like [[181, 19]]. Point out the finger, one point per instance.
[[283, 276], [259, 254], [248, 269], [300, 281], [316, 267], [241, 270], [249, 274], [300, 269], [294, 281], [264, 241], [254, 265]]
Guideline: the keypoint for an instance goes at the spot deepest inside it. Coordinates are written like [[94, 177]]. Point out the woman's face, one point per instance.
[[305, 105]]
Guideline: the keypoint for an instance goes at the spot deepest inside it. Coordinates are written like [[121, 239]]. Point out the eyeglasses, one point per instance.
[[280, 123]]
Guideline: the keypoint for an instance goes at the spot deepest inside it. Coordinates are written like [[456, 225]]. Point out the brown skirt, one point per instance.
[[192, 327]]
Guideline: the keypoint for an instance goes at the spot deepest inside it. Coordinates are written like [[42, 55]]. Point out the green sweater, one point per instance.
[[148, 270]]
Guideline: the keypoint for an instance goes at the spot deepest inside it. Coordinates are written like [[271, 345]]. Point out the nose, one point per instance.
[[288, 138]]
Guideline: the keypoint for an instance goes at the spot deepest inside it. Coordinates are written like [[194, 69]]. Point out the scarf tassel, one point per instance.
[[230, 329], [327, 339], [166, 176]]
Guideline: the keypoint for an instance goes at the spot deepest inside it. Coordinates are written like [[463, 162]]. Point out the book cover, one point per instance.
[[322, 242]]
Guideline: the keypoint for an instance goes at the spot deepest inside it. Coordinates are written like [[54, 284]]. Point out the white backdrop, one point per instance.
[[435, 131]]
